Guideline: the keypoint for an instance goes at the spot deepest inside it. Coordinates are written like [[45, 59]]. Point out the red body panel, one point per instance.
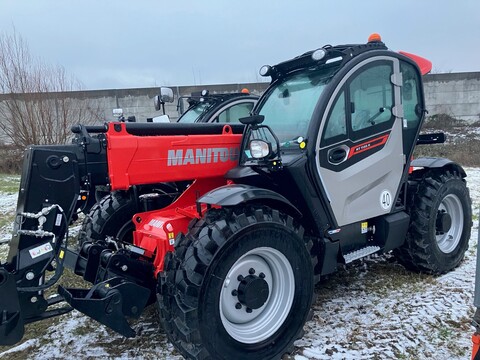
[[134, 160], [368, 145], [425, 65], [156, 230]]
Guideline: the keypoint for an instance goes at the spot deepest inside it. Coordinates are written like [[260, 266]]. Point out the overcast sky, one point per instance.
[[144, 43]]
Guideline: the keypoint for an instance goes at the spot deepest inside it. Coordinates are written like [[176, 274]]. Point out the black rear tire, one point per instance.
[[440, 197], [213, 300]]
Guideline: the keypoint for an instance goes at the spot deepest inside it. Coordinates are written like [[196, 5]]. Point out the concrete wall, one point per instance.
[[140, 102], [457, 94]]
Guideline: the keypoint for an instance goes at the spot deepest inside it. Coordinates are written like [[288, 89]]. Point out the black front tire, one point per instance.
[[202, 308], [429, 247], [111, 216]]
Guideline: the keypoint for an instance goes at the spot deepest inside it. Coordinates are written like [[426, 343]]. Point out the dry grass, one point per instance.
[[11, 159], [462, 144], [465, 153]]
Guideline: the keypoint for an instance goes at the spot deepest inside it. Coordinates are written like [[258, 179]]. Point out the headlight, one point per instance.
[[259, 149]]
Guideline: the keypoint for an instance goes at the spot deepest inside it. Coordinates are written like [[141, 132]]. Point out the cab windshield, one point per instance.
[[195, 113], [289, 105]]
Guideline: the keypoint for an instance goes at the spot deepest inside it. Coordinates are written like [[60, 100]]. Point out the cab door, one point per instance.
[[360, 155]]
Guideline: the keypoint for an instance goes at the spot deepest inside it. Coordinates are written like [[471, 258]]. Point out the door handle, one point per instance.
[[337, 155]]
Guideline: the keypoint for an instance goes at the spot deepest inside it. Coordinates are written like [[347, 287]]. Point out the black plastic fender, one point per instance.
[[231, 195], [438, 163]]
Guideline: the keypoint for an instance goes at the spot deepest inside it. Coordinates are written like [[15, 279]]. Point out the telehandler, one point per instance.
[[247, 217]]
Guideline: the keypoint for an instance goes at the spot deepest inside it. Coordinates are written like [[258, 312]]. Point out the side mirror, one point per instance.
[[157, 102], [166, 95], [252, 120]]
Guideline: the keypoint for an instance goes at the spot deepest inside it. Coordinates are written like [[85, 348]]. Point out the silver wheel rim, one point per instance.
[[448, 241], [261, 323]]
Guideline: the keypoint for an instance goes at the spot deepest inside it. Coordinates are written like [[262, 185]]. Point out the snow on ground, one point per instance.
[[461, 133], [8, 203], [373, 309]]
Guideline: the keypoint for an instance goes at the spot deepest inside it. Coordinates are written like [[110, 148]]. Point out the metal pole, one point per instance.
[[476, 302], [476, 299]]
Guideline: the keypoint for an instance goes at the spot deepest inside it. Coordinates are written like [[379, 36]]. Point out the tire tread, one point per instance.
[[416, 253], [179, 289]]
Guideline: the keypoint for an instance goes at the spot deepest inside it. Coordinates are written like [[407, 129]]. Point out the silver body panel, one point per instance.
[[367, 188]]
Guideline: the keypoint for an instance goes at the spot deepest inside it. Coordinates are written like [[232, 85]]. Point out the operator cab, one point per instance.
[[346, 118], [217, 108]]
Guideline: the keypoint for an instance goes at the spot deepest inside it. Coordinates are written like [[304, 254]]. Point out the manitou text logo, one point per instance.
[[201, 156]]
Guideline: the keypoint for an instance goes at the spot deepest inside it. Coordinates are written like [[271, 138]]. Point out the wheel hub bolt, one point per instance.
[[251, 271], [30, 275], [234, 292], [249, 310], [261, 275], [240, 277], [238, 306]]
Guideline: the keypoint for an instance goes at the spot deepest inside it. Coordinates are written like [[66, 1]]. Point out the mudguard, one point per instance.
[[231, 195], [437, 163]]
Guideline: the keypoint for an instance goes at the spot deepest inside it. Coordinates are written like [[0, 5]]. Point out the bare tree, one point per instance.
[[35, 104]]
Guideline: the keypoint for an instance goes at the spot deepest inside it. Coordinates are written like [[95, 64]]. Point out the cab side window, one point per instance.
[[232, 114], [412, 103], [364, 105], [371, 97], [412, 108], [337, 120]]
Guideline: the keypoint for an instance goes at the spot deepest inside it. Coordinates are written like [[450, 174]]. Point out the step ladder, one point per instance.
[[357, 254]]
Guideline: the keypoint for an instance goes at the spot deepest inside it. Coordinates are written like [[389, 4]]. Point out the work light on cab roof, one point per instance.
[[319, 54], [265, 70]]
